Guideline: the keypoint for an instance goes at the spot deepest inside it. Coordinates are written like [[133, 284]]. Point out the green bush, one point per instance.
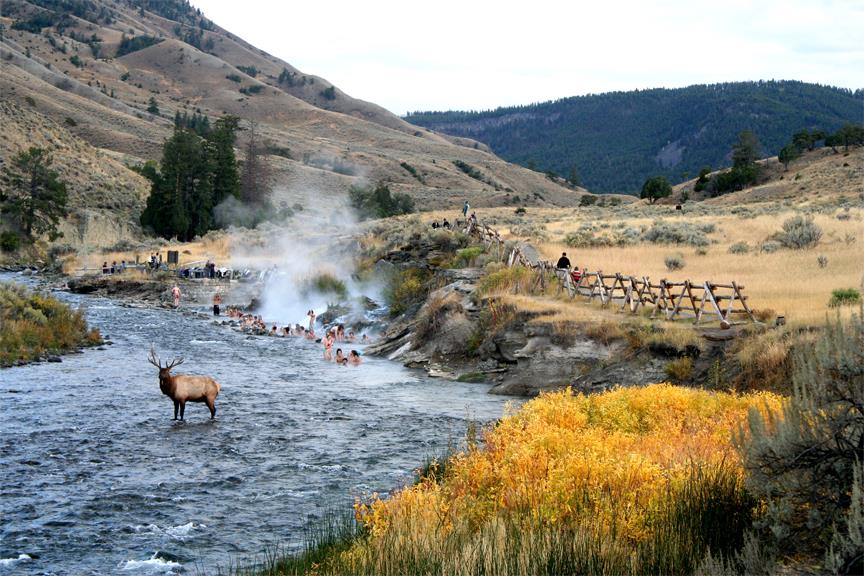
[[379, 202], [844, 297], [36, 324], [9, 241], [406, 289], [805, 463], [799, 232]]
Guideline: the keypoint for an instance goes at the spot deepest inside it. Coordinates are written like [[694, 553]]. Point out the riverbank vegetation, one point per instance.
[[652, 480], [35, 326]]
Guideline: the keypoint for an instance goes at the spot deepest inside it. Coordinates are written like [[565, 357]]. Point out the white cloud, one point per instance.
[[476, 55]]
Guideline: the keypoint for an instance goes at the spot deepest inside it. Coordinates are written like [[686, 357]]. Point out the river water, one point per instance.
[[98, 479]]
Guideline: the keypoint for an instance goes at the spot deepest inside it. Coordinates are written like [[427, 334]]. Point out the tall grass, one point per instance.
[[631, 481], [33, 325]]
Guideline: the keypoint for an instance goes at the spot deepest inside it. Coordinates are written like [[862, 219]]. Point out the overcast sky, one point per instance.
[[475, 55]]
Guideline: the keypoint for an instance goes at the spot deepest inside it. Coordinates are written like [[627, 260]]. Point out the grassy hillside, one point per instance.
[[89, 69], [617, 140]]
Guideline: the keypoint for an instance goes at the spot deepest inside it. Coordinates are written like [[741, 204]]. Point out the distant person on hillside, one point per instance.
[[105, 269], [563, 262], [465, 208], [446, 224]]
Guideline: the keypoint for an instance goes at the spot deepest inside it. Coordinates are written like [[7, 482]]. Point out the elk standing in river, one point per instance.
[[184, 388]]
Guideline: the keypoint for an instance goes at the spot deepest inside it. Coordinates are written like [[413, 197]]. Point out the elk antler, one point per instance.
[[175, 362], [153, 359]]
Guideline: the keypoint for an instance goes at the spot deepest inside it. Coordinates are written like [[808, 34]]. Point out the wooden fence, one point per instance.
[[700, 301]]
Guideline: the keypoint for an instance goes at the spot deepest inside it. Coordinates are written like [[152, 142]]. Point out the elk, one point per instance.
[[184, 388]]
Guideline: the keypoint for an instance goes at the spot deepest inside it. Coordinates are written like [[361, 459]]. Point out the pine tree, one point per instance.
[[226, 177], [255, 177], [38, 197]]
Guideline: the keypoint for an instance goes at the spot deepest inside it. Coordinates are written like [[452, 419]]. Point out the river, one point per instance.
[[98, 479]]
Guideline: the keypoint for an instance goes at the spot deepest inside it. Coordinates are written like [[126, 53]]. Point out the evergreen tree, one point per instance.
[[573, 176], [787, 154], [38, 197], [255, 177], [181, 202], [153, 106], [746, 151], [226, 177]]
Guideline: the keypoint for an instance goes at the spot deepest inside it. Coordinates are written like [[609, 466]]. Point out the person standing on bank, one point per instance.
[[217, 301]]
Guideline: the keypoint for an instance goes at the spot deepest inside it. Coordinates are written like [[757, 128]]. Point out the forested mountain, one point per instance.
[[615, 141]]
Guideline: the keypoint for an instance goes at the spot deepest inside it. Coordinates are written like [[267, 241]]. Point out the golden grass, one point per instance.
[[602, 462]]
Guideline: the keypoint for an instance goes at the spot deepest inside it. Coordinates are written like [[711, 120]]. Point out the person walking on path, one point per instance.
[[465, 208], [563, 262]]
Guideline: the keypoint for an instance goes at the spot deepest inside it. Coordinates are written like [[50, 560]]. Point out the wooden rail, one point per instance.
[[698, 301]]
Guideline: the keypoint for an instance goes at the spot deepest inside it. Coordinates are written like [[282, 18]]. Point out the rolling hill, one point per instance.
[[618, 140], [84, 72]]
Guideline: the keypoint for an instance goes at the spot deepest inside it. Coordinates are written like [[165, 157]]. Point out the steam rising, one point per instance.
[[319, 240]]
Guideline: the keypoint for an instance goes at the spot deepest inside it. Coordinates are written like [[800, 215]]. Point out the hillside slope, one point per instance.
[[617, 140], [91, 67]]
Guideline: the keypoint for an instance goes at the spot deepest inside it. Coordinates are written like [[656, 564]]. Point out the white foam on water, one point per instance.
[[9, 562], [154, 564], [205, 342], [181, 532]]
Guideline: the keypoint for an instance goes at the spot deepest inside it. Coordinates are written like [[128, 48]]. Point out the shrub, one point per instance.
[[515, 280], [327, 283], [234, 78], [769, 247], [799, 232], [802, 459], [739, 248], [519, 211], [680, 369], [822, 261], [587, 200], [9, 241], [674, 262], [406, 289], [582, 484], [433, 315], [35, 324], [663, 232], [70, 122], [379, 202], [844, 297], [467, 256]]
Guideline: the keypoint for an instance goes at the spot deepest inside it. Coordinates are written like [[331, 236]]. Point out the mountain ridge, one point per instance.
[[616, 140], [60, 60]]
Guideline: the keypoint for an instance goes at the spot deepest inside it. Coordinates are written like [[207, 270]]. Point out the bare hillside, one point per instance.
[[93, 69], [821, 175]]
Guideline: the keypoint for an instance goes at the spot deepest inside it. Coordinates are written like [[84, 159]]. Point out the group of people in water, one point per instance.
[[255, 324]]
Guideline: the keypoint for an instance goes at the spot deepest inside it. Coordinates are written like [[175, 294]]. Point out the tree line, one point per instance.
[[199, 172]]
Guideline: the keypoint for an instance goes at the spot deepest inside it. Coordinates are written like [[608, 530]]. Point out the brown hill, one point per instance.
[[824, 175], [68, 76]]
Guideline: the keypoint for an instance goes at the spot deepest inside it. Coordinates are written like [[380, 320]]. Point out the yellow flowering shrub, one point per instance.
[[608, 460]]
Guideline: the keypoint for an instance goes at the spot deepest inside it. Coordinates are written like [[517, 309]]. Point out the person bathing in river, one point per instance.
[[340, 333], [351, 337], [175, 293], [354, 358], [328, 346], [274, 331], [340, 358], [217, 301], [311, 315]]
